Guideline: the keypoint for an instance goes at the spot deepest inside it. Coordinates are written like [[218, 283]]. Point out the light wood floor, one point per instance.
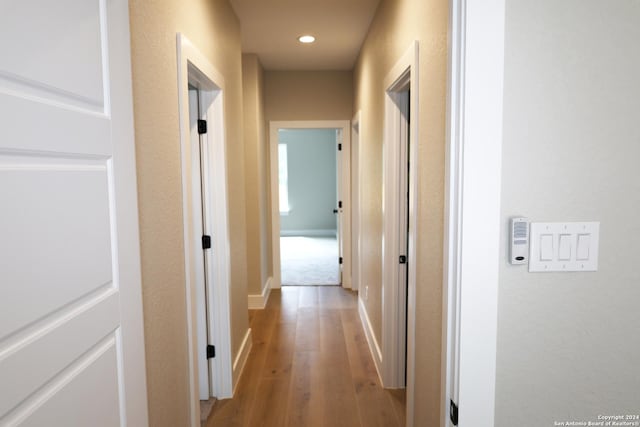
[[310, 366]]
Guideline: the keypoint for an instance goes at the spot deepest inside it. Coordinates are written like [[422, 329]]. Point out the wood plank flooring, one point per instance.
[[309, 366]]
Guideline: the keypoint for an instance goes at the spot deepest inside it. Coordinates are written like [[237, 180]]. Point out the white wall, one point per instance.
[[569, 344]]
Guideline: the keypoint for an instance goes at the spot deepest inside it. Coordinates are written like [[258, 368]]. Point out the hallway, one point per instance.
[[309, 366]]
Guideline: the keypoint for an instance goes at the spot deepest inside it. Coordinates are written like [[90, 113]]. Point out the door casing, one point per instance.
[[344, 187], [398, 308], [195, 69], [472, 210]]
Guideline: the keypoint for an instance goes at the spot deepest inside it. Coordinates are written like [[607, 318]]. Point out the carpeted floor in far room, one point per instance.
[[309, 261]]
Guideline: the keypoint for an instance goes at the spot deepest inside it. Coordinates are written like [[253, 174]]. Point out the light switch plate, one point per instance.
[[564, 246]]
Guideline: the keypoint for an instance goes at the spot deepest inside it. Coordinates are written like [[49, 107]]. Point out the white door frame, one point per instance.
[[345, 213], [356, 203], [472, 228], [126, 211], [403, 76], [194, 68]]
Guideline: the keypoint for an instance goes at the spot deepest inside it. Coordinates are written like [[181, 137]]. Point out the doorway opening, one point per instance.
[[307, 186], [399, 224], [310, 203], [206, 235]]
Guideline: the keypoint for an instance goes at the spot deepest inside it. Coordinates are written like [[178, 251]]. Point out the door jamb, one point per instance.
[[274, 126], [404, 73], [472, 210], [194, 67]]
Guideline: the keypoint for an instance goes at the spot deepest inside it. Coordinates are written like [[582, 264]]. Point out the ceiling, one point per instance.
[[270, 29]]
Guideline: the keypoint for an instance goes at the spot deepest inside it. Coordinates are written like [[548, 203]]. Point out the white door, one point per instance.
[[71, 341], [339, 203], [403, 231], [200, 258], [343, 180]]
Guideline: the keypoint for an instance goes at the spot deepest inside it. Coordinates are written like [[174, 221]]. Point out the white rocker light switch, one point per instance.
[[571, 246]]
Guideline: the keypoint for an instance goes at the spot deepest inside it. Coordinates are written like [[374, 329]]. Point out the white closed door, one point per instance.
[[71, 341]]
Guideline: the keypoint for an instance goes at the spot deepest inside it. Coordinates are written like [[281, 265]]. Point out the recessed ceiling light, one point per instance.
[[306, 39]]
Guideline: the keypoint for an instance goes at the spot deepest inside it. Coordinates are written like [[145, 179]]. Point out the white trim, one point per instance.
[[374, 347], [309, 233], [344, 194], [194, 67], [404, 75], [258, 302], [345, 212], [241, 359], [356, 202], [133, 384], [472, 228]]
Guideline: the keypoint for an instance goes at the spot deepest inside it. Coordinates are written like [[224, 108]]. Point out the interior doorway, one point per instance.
[[310, 203], [396, 221], [206, 231], [400, 224]]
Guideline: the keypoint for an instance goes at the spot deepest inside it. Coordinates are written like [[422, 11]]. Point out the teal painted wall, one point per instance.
[[312, 179]]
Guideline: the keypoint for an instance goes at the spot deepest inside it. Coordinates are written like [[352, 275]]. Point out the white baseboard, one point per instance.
[[374, 348], [258, 302], [241, 358], [309, 233]]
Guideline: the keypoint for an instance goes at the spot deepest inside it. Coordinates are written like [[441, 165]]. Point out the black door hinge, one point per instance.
[[206, 242], [340, 204], [453, 413], [202, 126], [403, 259], [339, 147], [340, 260], [211, 351]]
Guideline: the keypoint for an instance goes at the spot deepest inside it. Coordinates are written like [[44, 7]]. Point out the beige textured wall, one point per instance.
[[213, 28], [568, 343], [303, 95], [395, 26], [308, 95], [259, 260]]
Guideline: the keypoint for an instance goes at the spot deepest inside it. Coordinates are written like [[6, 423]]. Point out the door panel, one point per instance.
[[65, 251], [57, 46], [84, 323], [36, 121], [62, 322], [74, 400]]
